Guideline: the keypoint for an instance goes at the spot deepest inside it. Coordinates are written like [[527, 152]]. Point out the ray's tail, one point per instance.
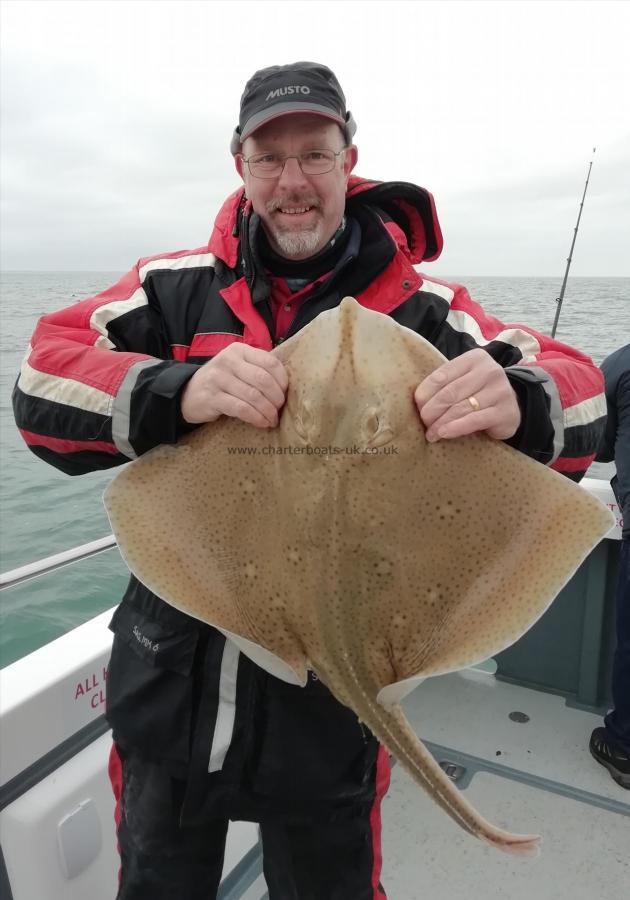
[[400, 739], [393, 730]]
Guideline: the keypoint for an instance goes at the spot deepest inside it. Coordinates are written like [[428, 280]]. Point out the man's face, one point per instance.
[[300, 213]]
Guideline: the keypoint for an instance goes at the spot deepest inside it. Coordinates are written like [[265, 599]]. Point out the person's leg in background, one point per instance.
[[610, 745]]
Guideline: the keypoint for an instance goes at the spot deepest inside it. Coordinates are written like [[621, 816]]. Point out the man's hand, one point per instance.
[[446, 410], [240, 381]]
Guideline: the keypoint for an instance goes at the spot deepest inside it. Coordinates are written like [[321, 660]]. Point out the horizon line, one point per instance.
[[437, 275]]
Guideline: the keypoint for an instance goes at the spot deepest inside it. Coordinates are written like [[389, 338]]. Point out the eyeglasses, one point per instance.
[[312, 162]]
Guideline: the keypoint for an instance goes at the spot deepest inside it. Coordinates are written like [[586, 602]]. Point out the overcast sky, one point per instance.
[[117, 116]]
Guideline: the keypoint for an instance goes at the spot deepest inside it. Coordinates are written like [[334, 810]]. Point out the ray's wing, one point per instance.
[[503, 542], [204, 525], [461, 547]]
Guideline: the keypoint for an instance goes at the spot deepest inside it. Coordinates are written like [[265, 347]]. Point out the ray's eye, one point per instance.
[[375, 428], [372, 423], [304, 420], [299, 427]]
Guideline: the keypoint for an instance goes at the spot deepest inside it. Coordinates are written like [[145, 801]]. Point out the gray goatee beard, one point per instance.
[[296, 244]]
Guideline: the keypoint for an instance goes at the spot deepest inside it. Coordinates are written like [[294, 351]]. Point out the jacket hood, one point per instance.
[[408, 212]]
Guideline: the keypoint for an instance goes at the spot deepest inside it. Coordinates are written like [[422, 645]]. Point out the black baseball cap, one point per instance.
[[298, 87]]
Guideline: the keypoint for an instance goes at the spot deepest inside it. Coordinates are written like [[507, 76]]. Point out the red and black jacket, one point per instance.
[[82, 407]]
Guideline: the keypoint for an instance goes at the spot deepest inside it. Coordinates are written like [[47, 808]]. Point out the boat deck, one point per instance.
[[535, 776]]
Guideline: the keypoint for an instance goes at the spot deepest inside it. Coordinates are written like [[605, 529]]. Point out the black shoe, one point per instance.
[[616, 761]]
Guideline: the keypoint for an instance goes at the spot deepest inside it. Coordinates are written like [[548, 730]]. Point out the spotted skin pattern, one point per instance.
[[345, 543]]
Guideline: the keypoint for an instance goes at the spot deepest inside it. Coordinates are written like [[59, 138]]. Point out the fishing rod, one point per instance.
[[575, 231]]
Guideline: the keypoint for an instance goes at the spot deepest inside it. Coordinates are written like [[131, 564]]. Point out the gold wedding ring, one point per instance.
[[474, 403]]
